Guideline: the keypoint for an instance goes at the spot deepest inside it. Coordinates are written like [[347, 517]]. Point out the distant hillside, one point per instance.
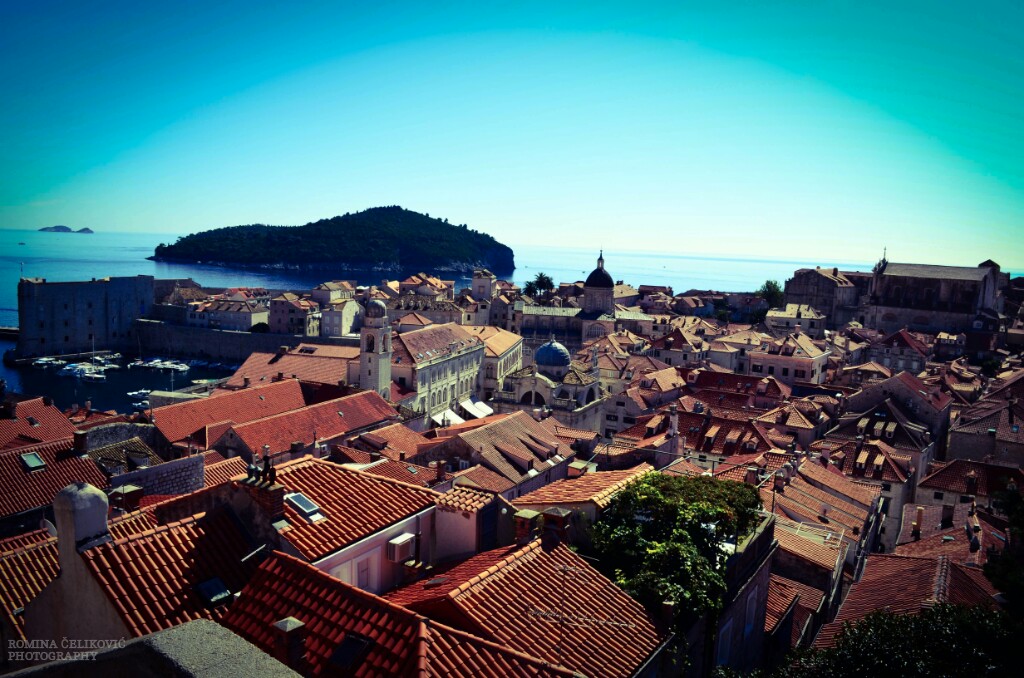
[[380, 238], [64, 229]]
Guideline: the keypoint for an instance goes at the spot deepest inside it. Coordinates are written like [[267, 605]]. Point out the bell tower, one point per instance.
[[375, 350]]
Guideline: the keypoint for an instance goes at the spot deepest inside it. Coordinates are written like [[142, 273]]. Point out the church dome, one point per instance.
[[599, 277], [376, 309], [552, 354]]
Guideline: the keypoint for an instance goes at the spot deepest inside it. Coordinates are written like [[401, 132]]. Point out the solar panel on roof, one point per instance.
[[302, 504], [32, 461]]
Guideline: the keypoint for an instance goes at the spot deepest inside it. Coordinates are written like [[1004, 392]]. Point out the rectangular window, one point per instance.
[[937, 495], [886, 487], [771, 369], [785, 371]]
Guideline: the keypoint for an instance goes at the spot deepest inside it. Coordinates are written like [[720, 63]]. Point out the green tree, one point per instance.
[[544, 283], [771, 291], [260, 328], [530, 289], [1006, 570], [661, 537], [945, 640]]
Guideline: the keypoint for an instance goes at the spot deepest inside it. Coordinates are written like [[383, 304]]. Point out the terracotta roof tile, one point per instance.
[[33, 421], [25, 490], [222, 472], [315, 364], [327, 420], [405, 472], [180, 420], [166, 564], [906, 585], [396, 641], [515, 596], [990, 478], [394, 439], [822, 548], [429, 343], [496, 340], [508, 445], [26, 570], [781, 597], [462, 498], [597, 487], [354, 504], [484, 478]]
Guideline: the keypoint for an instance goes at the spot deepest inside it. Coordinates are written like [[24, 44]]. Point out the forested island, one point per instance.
[[377, 239], [65, 229]]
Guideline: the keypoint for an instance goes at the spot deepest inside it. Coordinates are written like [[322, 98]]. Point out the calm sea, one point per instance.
[[70, 256]]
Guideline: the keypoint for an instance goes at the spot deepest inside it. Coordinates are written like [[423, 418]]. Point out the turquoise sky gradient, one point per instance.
[[819, 129]]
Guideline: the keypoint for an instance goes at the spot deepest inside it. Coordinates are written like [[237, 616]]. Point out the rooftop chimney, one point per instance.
[[81, 442], [972, 482], [526, 522], [290, 643], [750, 477], [80, 511], [281, 350], [947, 516], [556, 526], [246, 381], [916, 527], [780, 481]]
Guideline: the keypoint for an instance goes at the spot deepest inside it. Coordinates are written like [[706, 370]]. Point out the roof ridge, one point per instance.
[[166, 527], [940, 591], [515, 556]]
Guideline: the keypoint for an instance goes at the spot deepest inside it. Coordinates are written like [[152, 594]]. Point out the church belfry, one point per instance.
[[375, 350]]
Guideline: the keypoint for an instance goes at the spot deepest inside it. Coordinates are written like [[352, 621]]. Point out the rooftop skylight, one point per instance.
[[32, 461]]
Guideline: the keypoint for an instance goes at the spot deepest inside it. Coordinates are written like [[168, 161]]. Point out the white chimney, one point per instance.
[[81, 514]]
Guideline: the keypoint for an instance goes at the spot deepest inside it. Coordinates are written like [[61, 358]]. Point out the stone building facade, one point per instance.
[[76, 317]]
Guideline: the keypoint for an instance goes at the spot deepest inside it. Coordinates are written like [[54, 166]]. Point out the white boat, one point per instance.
[[42, 363], [94, 376], [74, 369], [141, 405], [141, 393]]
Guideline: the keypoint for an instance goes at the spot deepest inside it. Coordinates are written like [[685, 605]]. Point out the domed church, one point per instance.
[[555, 385], [596, 317]]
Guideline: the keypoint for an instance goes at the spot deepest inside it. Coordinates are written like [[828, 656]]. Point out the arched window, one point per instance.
[[591, 395], [369, 343]]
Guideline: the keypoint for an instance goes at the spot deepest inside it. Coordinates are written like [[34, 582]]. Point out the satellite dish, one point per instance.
[[50, 528]]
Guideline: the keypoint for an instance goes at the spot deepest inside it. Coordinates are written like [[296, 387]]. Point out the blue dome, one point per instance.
[[376, 309], [552, 354]]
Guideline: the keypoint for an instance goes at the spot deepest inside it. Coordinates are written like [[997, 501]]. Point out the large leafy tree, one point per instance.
[[771, 291], [945, 640], [1006, 570], [660, 539]]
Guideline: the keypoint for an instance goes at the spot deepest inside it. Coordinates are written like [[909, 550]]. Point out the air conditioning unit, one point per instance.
[[402, 547]]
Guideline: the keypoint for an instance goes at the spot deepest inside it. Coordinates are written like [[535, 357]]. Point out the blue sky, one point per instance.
[[756, 129]]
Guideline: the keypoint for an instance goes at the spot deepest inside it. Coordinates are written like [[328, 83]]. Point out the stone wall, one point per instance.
[[110, 434], [180, 476], [180, 341]]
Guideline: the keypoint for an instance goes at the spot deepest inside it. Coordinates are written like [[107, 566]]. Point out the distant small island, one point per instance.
[[64, 229], [378, 239]]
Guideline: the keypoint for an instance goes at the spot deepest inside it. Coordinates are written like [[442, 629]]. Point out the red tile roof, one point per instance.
[[682, 467], [906, 585], [427, 344], [320, 366], [33, 421], [781, 597], [354, 504], [397, 641], [25, 490], [870, 459], [180, 420], [405, 472], [484, 478], [819, 547], [27, 569], [327, 420], [990, 478], [510, 444], [394, 439], [466, 499], [517, 597], [151, 578], [598, 487], [223, 471]]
